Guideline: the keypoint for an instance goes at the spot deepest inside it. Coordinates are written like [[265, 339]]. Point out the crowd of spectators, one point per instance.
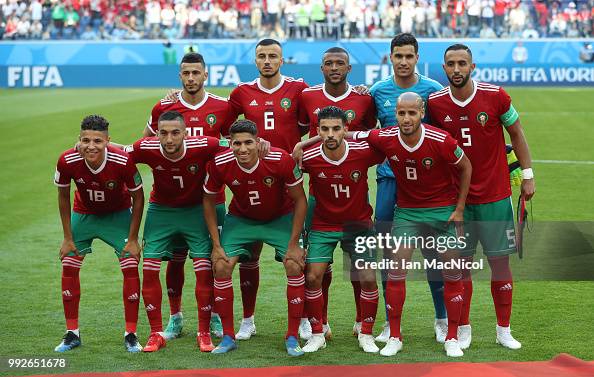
[[317, 19]]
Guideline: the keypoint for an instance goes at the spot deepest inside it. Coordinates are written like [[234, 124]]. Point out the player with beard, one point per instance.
[[404, 56], [360, 112], [475, 114], [205, 114], [422, 159]]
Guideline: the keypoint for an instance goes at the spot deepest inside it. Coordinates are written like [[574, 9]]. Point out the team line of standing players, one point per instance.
[[434, 181]]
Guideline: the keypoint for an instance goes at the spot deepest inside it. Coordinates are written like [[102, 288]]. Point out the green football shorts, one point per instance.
[[164, 225], [322, 245], [111, 228], [491, 224], [239, 234], [179, 245]]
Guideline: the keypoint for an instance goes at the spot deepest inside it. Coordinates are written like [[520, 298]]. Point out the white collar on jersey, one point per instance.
[[193, 107], [418, 144], [340, 98], [468, 100], [346, 153], [177, 159], [251, 170], [100, 168], [270, 91]]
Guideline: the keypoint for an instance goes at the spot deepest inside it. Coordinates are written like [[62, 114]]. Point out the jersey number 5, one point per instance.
[[466, 136]]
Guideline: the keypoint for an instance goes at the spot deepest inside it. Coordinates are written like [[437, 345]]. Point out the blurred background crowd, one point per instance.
[[299, 19]]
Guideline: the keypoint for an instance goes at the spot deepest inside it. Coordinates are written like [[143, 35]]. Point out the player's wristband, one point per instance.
[[527, 173]]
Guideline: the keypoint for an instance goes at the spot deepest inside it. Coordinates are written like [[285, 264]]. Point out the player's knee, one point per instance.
[[313, 280], [292, 267], [367, 280], [222, 269]]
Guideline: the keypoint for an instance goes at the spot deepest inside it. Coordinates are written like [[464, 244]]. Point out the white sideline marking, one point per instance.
[[569, 162]]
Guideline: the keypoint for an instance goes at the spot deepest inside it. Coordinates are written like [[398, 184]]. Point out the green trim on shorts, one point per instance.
[[111, 228], [323, 243], [491, 224], [164, 225], [239, 235], [179, 245]]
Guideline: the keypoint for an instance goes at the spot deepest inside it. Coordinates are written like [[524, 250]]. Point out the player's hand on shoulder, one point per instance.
[[361, 89], [264, 147], [67, 248], [528, 188], [133, 248], [171, 95]]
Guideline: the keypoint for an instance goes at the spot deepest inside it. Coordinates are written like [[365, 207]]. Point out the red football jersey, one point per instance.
[[103, 190], [359, 108], [424, 178], [477, 126], [259, 193], [276, 111], [211, 117], [341, 189], [177, 183]]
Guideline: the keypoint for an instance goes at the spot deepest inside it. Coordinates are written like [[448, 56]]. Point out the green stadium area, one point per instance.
[[550, 317]]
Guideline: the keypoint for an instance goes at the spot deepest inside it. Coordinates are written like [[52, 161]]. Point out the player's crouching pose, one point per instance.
[[269, 206], [178, 163], [105, 179], [421, 157], [338, 175]]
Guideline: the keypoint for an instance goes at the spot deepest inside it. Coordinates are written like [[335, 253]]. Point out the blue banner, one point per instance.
[[220, 75]]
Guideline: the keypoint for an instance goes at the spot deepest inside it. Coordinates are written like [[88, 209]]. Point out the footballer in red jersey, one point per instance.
[[105, 179], [272, 101], [338, 175], [336, 91], [268, 206], [429, 205], [476, 114], [205, 114], [175, 211]]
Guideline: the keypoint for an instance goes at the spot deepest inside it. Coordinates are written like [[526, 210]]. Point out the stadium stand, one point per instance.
[[293, 19]]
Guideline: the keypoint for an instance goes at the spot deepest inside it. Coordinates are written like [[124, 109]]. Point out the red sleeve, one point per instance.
[[230, 117], [370, 120], [450, 150], [213, 183], [132, 176], [153, 120], [134, 152], [375, 156], [303, 118], [505, 101], [62, 176], [290, 171], [216, 145], [236, 102], [371, 136]]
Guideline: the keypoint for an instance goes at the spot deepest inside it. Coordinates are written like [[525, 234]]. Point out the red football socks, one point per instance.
[[71, 290], [223, 304], [295, 302], [204, 292], [174, 277], [314, 303], [151, 292], [395, 296], [368, 304], [249, 280], [501, 289], [130, 292]]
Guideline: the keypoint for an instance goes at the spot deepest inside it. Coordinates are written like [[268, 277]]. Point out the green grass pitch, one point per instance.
[[37, 125]]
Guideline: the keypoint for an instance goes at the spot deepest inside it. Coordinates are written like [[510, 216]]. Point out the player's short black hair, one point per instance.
[[336, 50], [332, 112], [458, 47], [94, 123], [404, 39], [172, 115], [193, 57], [269, 42], [243, 125]]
